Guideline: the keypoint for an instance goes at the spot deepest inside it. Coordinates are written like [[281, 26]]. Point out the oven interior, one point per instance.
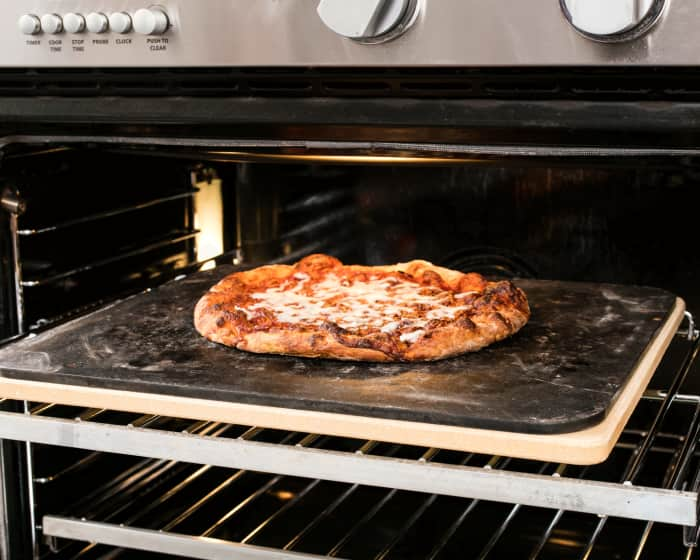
[[97, 222]]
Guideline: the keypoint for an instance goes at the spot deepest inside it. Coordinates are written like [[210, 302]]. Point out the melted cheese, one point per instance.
[[386, 304], [411, 337]]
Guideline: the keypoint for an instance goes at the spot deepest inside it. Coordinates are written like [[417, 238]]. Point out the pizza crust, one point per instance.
[[499, 310]]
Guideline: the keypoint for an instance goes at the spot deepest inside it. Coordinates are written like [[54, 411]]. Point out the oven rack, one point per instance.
[[433, 473]]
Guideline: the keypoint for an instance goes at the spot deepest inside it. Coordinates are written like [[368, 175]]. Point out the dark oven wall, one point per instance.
[[628, 223]]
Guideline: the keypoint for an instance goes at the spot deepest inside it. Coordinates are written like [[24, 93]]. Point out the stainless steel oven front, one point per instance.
[[142, 143]]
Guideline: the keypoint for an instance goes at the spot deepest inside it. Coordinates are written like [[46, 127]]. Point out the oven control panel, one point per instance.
[[146, 21], [198, 33], [89, 33]]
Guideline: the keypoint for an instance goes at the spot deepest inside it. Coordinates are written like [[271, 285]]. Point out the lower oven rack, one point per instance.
[[315, 458]]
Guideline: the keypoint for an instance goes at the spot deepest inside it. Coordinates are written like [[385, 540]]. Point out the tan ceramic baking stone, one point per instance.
[[584, 447]]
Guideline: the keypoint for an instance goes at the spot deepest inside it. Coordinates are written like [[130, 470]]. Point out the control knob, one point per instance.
[[368, 21], [151, 21], [120, 22], [74, 23], [51, 23], [97, 22], [29, 24], [612, 21]]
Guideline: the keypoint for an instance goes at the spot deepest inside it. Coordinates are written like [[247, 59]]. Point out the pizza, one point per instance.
[[321, 308]]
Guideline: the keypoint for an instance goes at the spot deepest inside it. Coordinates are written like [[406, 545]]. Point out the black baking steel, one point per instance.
[[561, 373]]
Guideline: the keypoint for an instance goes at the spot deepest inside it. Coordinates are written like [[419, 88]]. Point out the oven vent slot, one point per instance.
[[624, 84]]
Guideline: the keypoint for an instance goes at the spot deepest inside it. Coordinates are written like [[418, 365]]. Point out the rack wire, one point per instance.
[[98, 216], [141, 515], [243, 503]]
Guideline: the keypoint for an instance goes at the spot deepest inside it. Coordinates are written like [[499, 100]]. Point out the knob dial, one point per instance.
[[120, 22], [74, 23], [612, 21], [29, 24], [51, 23], [151, 21], [369, 21], [97, 22]]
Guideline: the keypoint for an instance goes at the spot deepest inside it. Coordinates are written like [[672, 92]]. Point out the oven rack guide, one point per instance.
[[675, 503]]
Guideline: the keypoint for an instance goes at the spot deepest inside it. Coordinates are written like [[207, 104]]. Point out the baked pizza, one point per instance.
[[321, 308]]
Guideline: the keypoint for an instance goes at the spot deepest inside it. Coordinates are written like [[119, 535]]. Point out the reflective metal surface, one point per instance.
[[165, 543], [368, 21], [611, 21], [275, 33], [638, 502]]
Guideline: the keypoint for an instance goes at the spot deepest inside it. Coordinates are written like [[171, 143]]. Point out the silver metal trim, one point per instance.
[[29, 455], [401, 150], [204, 548], [677, 507], [692, 333]]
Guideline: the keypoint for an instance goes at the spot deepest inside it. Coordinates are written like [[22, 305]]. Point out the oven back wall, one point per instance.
[[603, 224]]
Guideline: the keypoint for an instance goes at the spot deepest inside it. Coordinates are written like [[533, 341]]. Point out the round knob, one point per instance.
[[97, 22], [120, 22], [74, 23], [29, 24], [151, 21], [369, 21], [611, 21], [51, 23]]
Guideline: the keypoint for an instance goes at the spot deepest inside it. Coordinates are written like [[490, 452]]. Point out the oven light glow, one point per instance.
[[566, 543], [335, 158], [284, 495], [208, 219]]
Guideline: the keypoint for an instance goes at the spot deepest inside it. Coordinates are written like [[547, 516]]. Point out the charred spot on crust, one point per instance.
[[432, 278], [497, 317], [501, 294], [334, 329], [220, 322], [465, 322], [361, 342], [381, 343], [233, 316]]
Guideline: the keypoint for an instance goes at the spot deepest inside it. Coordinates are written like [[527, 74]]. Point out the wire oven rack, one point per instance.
[[210, 490]]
